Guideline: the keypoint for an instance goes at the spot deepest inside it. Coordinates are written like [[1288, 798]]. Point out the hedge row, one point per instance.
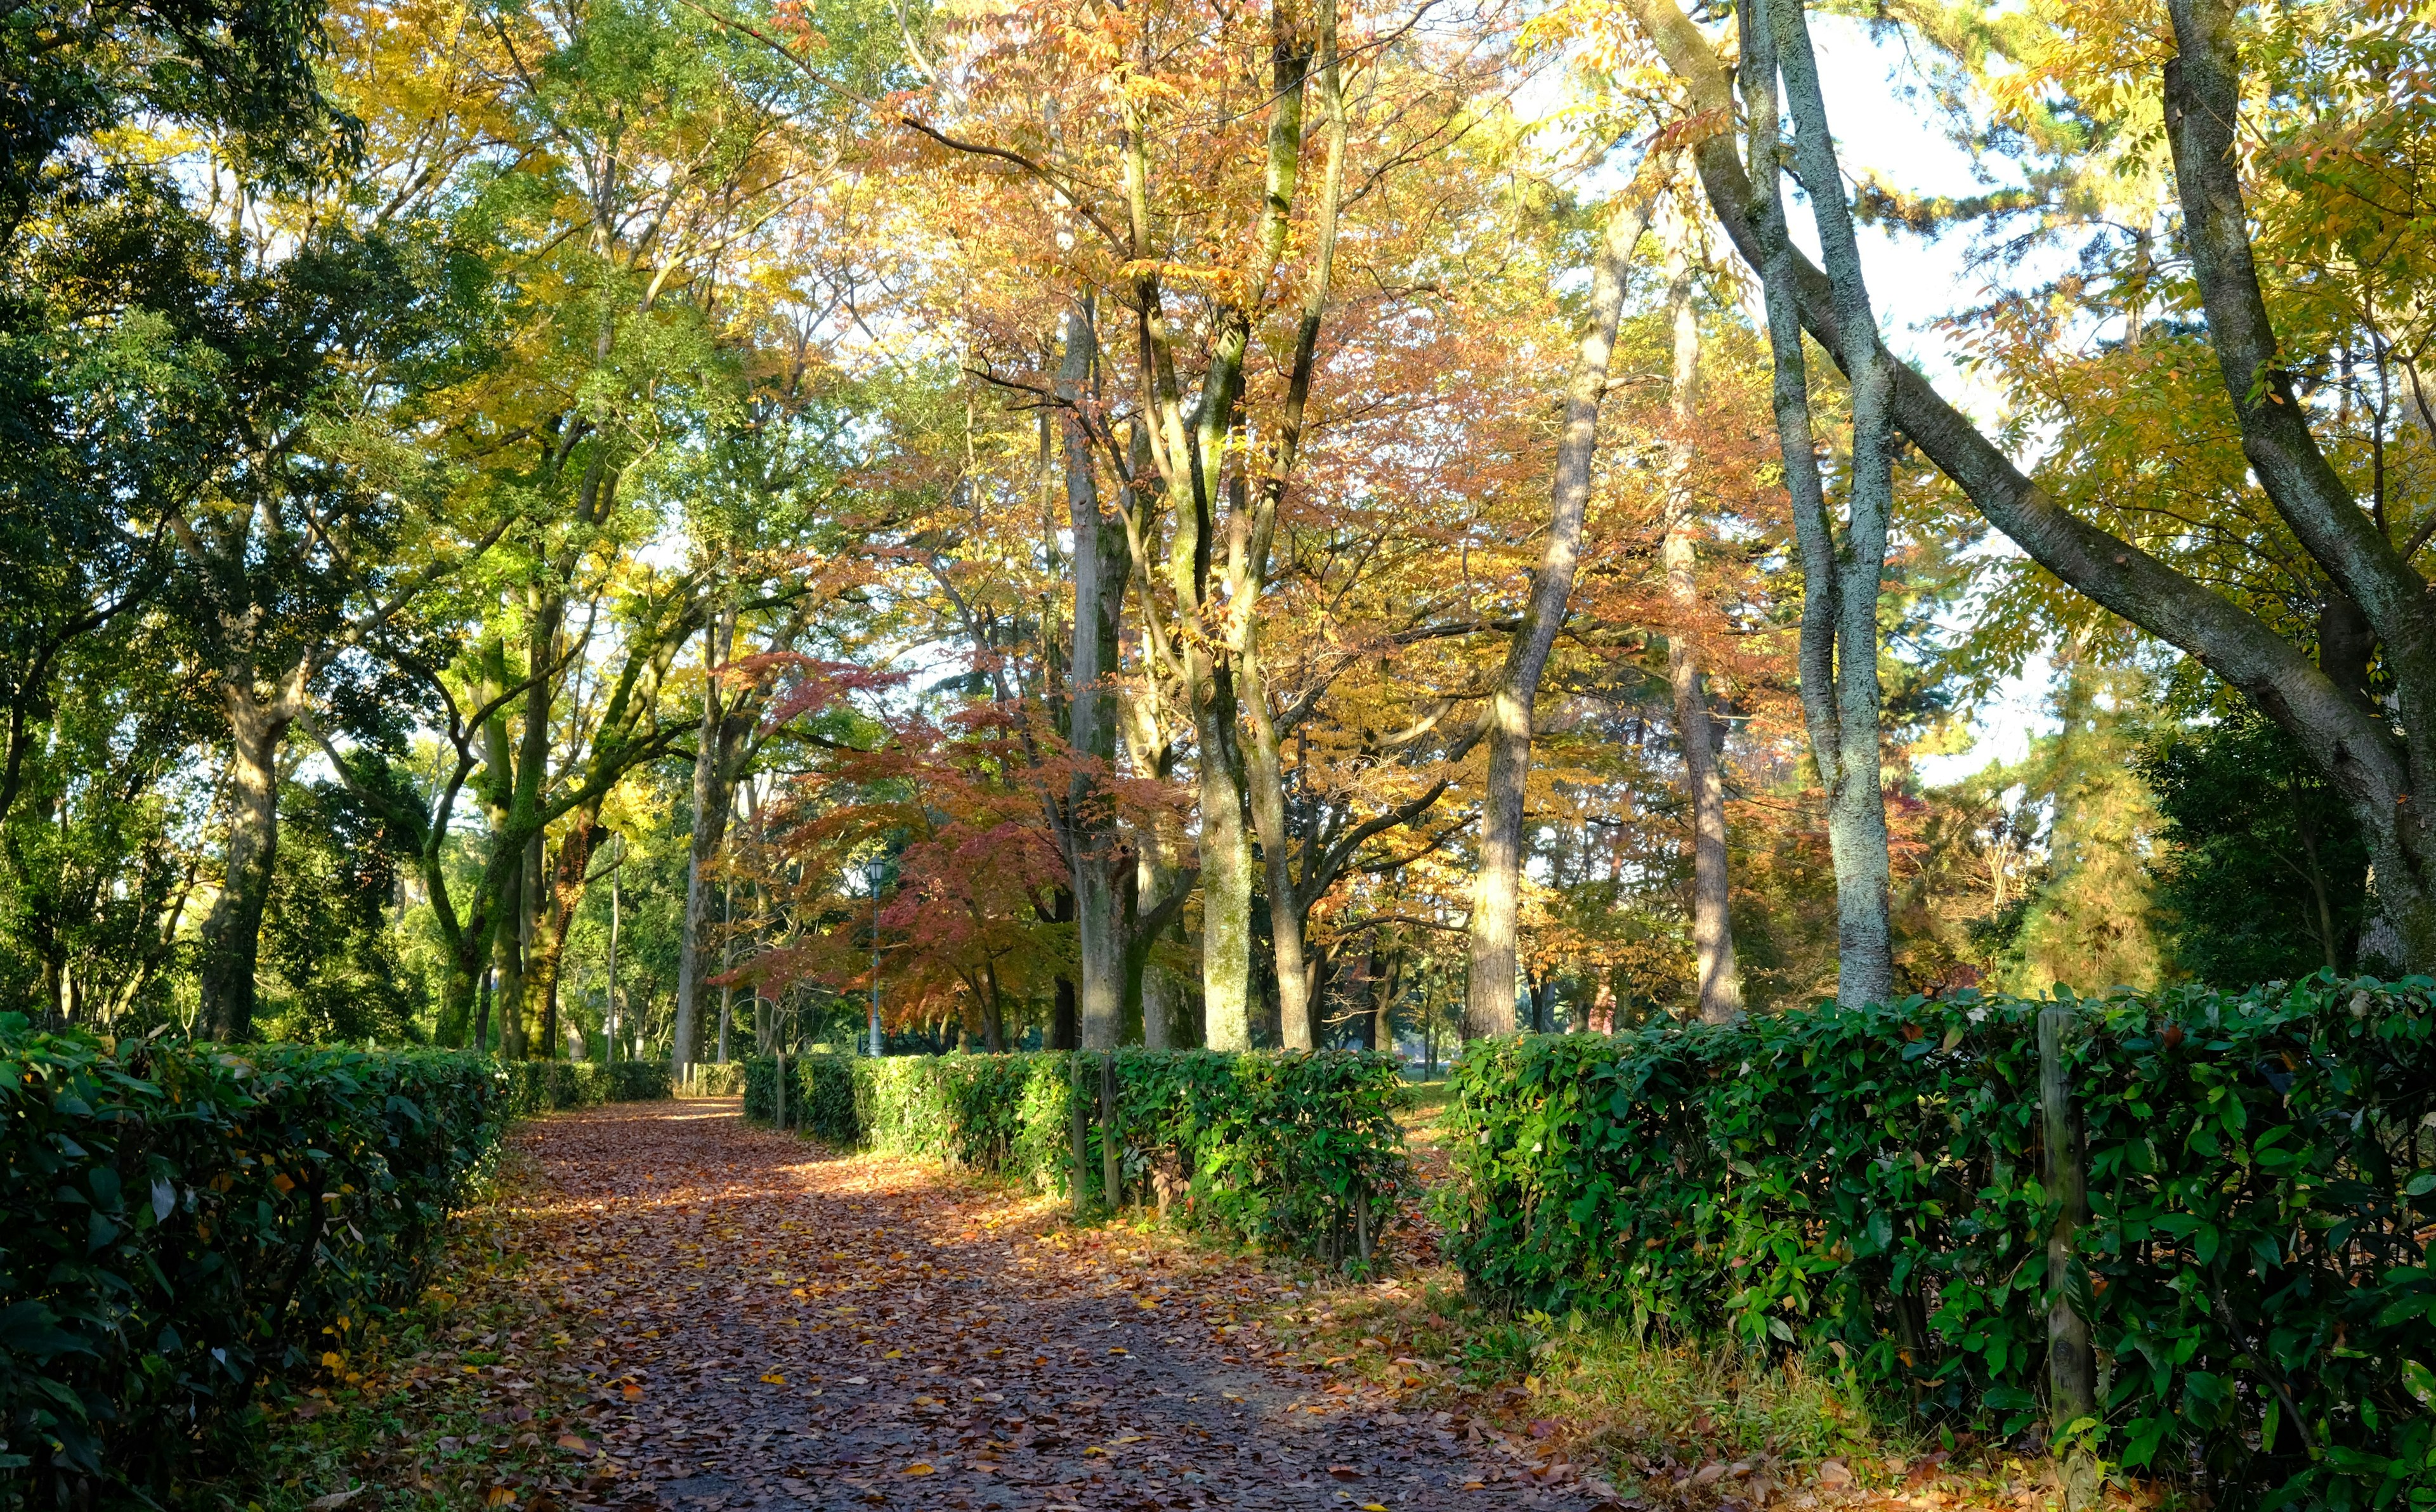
[[539, 1086], [176, 1221], [2261, 1168], [1297, 1152]]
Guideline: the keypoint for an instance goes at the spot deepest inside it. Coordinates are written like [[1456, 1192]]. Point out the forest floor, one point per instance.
[[667, 1308]]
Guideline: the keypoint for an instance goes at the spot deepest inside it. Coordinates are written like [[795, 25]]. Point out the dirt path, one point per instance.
[[787, 1329]]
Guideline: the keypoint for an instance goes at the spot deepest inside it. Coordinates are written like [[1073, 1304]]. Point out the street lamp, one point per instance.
[[870, 871]]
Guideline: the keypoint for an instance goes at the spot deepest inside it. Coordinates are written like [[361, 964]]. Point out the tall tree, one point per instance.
[[1497, 888], [1704, 789], [2368, 753]]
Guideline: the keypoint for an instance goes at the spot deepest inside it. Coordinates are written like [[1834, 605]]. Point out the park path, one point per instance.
[[779, 1327]]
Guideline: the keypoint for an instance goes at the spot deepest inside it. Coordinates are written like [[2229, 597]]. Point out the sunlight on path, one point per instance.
[[789, 1329]]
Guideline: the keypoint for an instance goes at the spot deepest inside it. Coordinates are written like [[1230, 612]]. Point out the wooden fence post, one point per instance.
[[1082, 1140], [782, 1087], [1111, 1134], [2072, 1360]]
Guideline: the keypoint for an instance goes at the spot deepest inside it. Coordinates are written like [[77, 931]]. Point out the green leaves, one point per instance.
[[1296, 1150], [2259, 1174], [180, 1220]]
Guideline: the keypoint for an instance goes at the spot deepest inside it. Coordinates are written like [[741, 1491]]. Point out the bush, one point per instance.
[[1865, 1182], [1286, 1150], [538, 1087], [178, 1220]]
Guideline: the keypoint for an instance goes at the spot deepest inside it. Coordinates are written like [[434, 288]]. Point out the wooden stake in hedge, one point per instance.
[[1112, 1147], [2072, 1362], [1082, 1141]]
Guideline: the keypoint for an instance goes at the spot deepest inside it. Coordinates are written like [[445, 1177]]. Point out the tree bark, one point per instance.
[[1267, 776], [709, 828], [1089, 828], [1712, 934], [2349, 744], [231, 933], [1838, 654], [1497, 887]]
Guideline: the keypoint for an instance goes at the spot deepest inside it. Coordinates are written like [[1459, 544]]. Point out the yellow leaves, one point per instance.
[[282, 1181], [894, 1354], [501, 1496], [920, 1467], [332, 1359], [774, 1379]]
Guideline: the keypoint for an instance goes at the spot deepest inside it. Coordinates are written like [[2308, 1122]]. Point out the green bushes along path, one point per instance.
[[1296, 1151], [177, 1221], [2261, 1179]]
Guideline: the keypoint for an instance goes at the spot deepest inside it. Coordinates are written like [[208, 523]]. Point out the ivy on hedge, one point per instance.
[[2261, 1171], [176, 1221], [1284, 1150]]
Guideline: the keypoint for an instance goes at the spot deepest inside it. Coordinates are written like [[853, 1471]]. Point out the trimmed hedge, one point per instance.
[[177, 1221], [538, 1087], [1284, 1150], [2261, 1170]]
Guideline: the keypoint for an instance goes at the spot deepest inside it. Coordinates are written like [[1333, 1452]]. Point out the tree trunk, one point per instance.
[[507, 959], [1065, 1023], [2350, 745], [1497, 888], [1386, 970], [1266, 776], [1839, 652], [1226, 872], [1101, 565], [1712, 935], [231, 933], [709, 828]]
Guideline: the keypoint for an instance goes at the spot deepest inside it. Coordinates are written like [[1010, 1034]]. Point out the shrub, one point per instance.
[[538, 1087], [1865, 1181], [711, 1079], [1296, 1151], [177, 1221]]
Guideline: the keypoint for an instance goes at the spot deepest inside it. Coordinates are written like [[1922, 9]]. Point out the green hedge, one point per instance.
[[538, 1087], [1865, 1182], [177, 1221], [711, 1079], [1278, 1149]]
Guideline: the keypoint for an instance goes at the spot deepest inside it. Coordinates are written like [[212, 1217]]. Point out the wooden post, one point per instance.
[[2072, 1362], [1111, 1139], [1082, 1141], [782, 1086]]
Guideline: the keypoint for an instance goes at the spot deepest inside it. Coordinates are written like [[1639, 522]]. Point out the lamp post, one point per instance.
[[870, 871]]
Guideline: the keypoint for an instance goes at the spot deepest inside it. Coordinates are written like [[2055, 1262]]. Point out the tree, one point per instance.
[[2365, 554]]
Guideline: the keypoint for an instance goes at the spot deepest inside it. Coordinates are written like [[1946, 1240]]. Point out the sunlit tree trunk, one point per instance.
[[1496, 897], [1839, 648]]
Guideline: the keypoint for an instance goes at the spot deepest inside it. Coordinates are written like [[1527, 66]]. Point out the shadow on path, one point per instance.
[[790, 1329]]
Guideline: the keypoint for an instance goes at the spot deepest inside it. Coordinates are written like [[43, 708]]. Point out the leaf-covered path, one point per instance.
[[789, 1329]]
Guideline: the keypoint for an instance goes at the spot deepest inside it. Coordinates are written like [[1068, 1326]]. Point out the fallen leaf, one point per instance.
[[917, 1468], [333, 1501], [1345, 1473]]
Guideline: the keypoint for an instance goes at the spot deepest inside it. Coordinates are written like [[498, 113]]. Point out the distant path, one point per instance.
[[809, 1331]]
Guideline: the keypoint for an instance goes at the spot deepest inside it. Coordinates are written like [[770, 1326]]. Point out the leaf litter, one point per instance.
[[762, 1324]]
